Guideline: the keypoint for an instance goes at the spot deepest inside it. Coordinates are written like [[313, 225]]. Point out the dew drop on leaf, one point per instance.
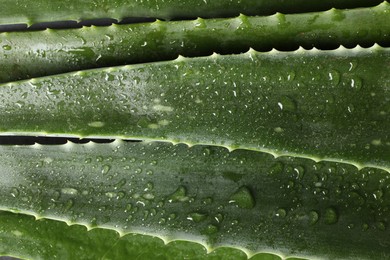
[[110, 194], [69, 204], [300, 172], [356, 83], [331, 216], [281, 213], [69, 191], [196, 217], [180, 195], [207, 201], [210, 229], [381, 226], [334, 77], [106, 168], [172, 216], [148, 196], [365, 227], [218, 218], [276, 168], [356, 198], [378, 194], [313, 217], [14, 192], [243, 198]]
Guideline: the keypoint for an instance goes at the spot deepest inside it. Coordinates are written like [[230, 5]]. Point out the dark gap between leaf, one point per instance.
[[30, 140]]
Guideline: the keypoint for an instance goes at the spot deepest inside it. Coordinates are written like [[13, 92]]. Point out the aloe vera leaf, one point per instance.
[[241, 199], [324, 105], [39, 53], [24, 237], [22, 12]]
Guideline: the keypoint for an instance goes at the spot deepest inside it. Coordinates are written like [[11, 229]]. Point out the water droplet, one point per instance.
[[206, 151], [111, 195], [172, 216], [197, 217], [14, 192], [356, 198], [120, 184], [210, 229], [365, 227], [334, 77], [207, 201], [350, 108], [149, 186], [278, 129], [378, 194], [356, 83], [243, 198], [313, 217], [300, 171], [7, 47], [381, 226], [291, 76], [153, 163], [281, 213], [129, 206], [331, 216], [352, 65], [287, 104], [218, 218], [69, 191], [277, 168], [106, 168], [68, 205], [148, 196], [180, 195], [56, 195], [109, 77], [121, 195], [88, 160]]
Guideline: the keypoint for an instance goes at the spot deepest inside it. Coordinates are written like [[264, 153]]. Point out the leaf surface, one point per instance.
[[243, 199], [39, 53], [325, 105], [31, 12]]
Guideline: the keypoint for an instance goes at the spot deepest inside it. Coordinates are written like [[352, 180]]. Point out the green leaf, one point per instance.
[[24, 237], [38, 11], [241, 199], [324, 105], [92, 47]]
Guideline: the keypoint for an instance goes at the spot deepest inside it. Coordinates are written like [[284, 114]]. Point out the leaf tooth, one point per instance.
[[214, 55], [157, 23], [200, 23], [385, 4], [180, 58], [37, 146]]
